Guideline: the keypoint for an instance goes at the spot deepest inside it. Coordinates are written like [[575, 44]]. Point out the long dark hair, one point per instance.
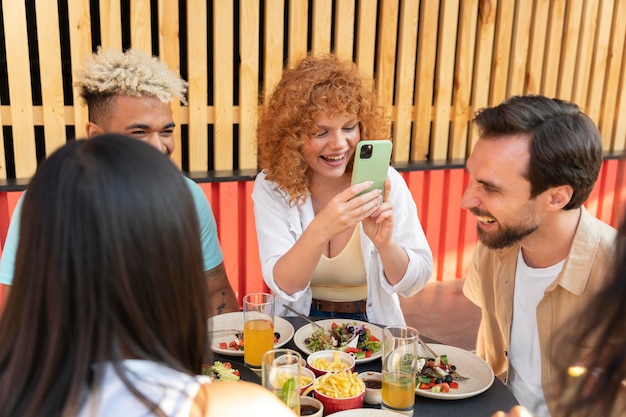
[[600, 330], [108, 267]]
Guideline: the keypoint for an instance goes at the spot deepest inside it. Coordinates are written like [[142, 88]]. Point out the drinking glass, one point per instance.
[[400, 350], [258, 327], [281, 374]]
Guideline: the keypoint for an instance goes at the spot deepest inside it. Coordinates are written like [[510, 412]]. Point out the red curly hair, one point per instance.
[[315, 85]]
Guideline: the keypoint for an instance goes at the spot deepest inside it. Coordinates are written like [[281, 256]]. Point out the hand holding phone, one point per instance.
[[371, 162]]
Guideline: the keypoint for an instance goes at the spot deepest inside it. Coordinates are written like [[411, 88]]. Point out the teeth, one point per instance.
[[487, 220], [333, 158]]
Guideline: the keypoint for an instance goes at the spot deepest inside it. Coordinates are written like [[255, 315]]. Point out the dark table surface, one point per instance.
[[497, 397]]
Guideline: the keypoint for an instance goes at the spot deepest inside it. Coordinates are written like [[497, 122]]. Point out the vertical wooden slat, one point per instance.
[[461, 109], [273, 48], [366, 36], [111, 24], [425, 75], [248, 83], [571, 39], [599, 68], [51, 75], [553, 48], [80, 48], [585, 53], [18, 72], [140, 28], [444, 75], [537, 47], [385, 67], [198, 84], [619, 134], [298, 29], [487, 13], [519, 49], [320, 31], [405, 81], [223, 13], [615, 71], [344, 29], [502, 52], [169, 52]]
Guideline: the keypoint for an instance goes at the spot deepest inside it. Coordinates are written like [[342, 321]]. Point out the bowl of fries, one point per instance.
[[339, 391], [324, 361]]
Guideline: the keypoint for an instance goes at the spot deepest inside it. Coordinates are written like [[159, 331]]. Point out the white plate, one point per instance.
[[467, 364], [307, 330], [364, 412], [234, 320]]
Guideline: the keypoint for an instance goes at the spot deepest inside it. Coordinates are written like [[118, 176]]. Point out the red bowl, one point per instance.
[[333, 405]]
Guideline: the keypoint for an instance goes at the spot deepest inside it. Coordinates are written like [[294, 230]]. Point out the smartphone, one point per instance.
[[371, 161]]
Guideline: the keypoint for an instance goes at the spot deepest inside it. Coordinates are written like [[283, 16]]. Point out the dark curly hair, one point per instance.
[[315, 85]]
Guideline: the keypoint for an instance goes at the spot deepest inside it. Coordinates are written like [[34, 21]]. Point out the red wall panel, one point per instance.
[[450, 230]]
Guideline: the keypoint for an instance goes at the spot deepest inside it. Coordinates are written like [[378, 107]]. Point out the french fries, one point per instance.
[[342, 384], [280, 380], [335, 366]]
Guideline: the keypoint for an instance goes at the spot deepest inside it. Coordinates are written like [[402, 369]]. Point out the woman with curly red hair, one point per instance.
[[324, 250]]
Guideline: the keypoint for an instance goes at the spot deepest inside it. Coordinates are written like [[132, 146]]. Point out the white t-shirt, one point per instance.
[[173, 391], [524, 354]]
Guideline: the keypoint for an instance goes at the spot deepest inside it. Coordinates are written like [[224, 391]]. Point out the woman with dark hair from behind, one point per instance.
[[107, 315]]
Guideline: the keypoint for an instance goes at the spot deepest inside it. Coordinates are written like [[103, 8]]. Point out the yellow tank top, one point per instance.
[[341, 278]]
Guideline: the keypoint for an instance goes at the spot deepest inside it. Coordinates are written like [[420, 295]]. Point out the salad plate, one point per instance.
[[305, 332], [234, 320], [479, 373]]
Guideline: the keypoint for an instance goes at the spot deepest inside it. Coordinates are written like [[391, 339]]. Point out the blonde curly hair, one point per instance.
[[106, 74], [315, 85]]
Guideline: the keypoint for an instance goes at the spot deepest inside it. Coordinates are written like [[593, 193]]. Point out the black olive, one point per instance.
[[453, 367], [438, 381], [448, 378], [277, 335]]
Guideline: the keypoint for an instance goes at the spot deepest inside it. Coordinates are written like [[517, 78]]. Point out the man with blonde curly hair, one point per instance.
[[130, 93]]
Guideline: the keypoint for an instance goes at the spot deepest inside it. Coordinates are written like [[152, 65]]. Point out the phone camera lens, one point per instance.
[[366, 151]]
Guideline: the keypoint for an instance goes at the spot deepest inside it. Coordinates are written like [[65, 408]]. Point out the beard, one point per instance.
[[507, 235]]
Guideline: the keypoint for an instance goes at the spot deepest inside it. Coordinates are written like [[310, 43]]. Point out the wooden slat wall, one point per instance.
[[435, 62], [450, 230]]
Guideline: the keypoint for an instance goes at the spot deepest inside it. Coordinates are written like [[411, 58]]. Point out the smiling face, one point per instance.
[[144, 118], [499, 192], [329, 149]]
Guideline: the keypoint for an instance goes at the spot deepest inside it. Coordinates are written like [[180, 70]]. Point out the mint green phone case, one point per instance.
[[371, 161]]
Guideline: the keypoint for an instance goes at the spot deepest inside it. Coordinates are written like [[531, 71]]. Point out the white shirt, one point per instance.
[[279, 225], [525, 354], [173, 391]]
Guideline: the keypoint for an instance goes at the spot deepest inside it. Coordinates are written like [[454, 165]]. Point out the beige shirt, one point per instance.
[[491, 280], [341, 278]]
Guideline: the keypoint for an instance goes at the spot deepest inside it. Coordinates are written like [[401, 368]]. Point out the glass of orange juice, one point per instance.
[[400, 353], [258, 327]]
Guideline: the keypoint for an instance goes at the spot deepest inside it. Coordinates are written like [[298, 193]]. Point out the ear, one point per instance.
[[93, 129], [560, 196]]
